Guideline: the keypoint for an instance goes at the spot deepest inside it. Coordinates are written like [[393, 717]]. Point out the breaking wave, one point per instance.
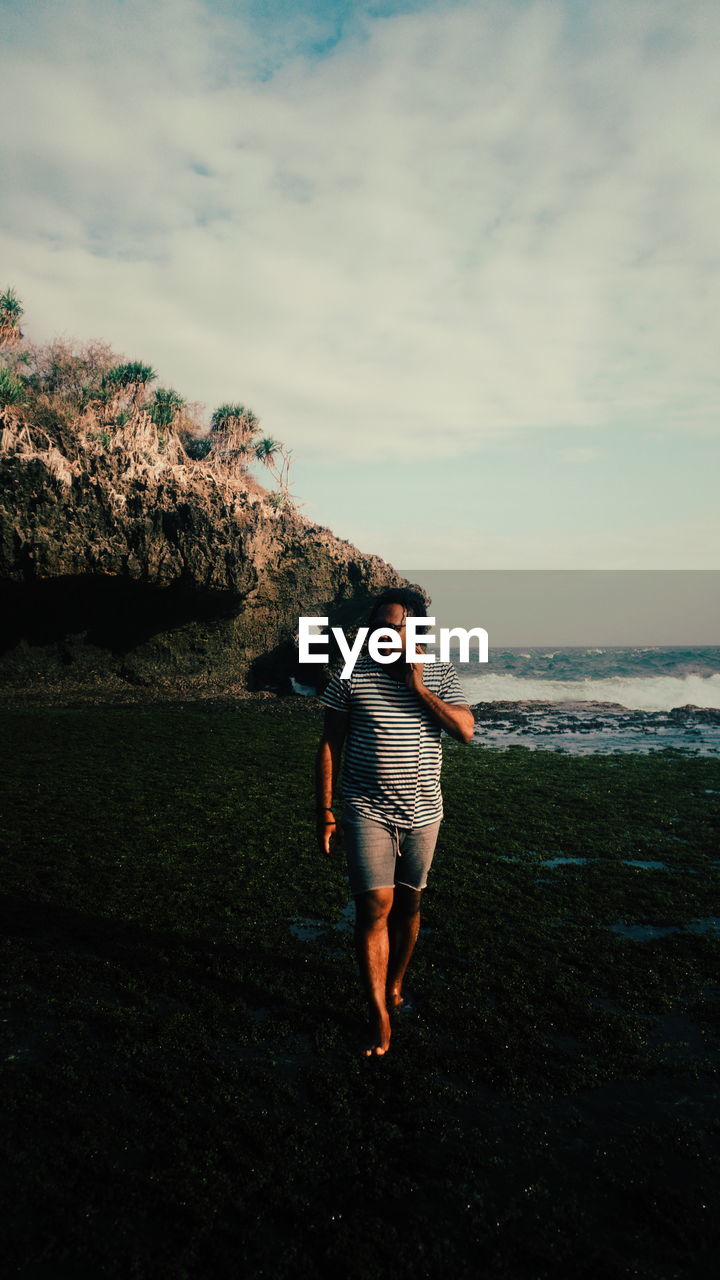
[[649, 693]]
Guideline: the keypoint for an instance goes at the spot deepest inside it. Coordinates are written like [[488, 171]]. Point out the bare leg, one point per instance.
[[372, 949], [403, 929]]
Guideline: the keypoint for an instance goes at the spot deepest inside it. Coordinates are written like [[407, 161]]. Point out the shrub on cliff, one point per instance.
[[70, 372], [12, 390], [197, 447]]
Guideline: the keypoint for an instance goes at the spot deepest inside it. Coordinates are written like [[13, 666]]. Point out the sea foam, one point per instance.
[[637, 693]]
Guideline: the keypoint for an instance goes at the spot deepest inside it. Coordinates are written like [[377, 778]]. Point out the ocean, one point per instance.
[[644, 698]]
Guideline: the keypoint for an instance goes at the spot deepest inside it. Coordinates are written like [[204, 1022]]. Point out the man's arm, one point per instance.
[[327, 768], [456, 720]]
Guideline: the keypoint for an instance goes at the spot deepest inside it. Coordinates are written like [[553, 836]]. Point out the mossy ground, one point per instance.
[[182, 1074]]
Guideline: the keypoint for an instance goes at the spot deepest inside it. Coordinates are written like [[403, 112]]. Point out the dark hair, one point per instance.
[[411, 600]]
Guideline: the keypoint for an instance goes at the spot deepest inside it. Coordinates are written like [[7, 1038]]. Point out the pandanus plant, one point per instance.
[[134, 376], [233, 430], [166, 403], [12, 387], [273, 454], [11, 309], [234, 434]]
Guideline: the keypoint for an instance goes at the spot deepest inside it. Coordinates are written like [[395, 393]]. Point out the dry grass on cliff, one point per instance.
[[121, 440], [67, 422]]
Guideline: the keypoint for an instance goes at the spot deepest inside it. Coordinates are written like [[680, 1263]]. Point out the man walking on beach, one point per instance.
[[389, 717]]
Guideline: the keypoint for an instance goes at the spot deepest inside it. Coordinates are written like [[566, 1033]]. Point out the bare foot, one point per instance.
[[379, 1034], [394, 999]]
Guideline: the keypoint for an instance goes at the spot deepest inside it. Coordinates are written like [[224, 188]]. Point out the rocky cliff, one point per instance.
[[129, 562]]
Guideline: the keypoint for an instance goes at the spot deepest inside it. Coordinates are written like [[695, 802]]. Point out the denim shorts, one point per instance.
[[380, 854]]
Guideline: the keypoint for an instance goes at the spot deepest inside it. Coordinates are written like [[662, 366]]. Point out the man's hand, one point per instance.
[[327, 830], [457, 720], [414, 675]]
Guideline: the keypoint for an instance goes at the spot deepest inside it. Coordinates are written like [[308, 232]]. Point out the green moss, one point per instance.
[[182, 1074]]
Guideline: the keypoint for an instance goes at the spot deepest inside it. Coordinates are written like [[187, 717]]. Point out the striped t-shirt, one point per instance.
[[393, 756]]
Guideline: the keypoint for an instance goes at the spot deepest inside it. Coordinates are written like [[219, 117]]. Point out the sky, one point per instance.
[[461, 258]]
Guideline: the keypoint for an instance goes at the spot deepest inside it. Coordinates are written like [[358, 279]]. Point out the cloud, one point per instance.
[[458, 223]]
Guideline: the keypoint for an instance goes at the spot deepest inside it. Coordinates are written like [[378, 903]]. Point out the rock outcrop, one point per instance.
[[148, 567]]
